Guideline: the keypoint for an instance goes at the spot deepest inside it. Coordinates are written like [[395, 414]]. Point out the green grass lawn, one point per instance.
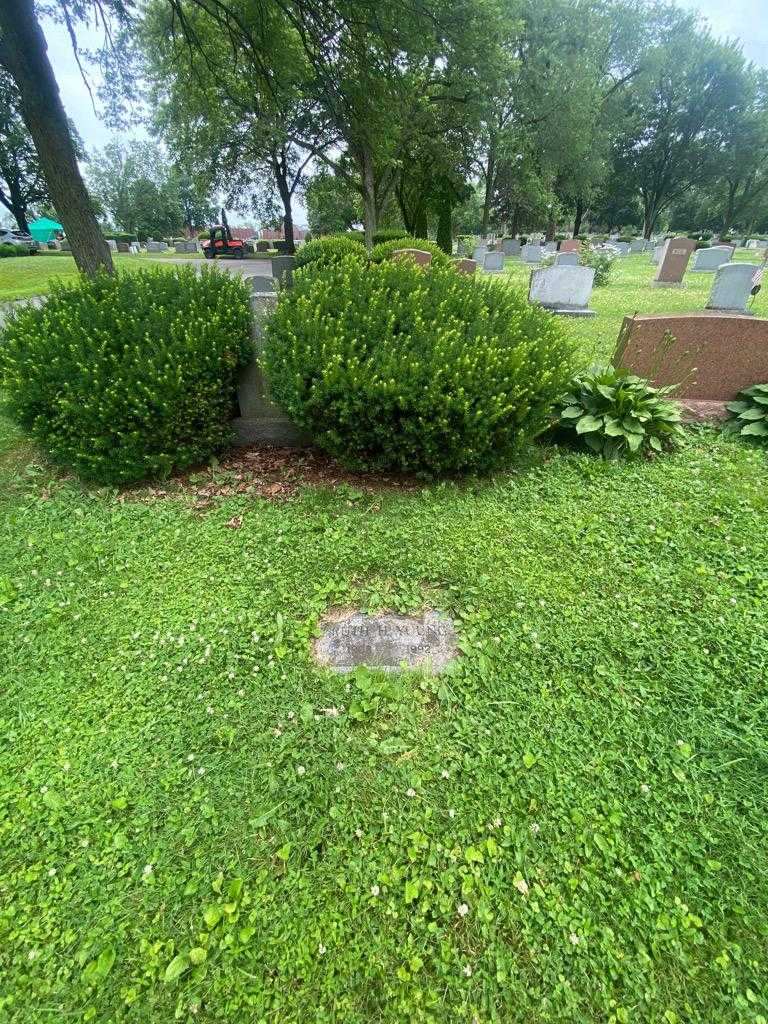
[[198, 824], [23, 276]]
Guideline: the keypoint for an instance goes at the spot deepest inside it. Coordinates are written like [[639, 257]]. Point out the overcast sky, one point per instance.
[[747, 20]]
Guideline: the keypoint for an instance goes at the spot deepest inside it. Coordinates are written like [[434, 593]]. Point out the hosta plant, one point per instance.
[[749, 414], [617, 414]]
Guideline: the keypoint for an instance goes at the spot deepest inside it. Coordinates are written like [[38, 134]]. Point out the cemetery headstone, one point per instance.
[[550, 247], [282, 269], [134, 248], [112, 244], [419, 256], [478, 253], [350, 639], [531, 252], [674, 263], [706, 261], [260, 283], [570, 245], [732, 287], [563, 290], [711, 356], [65, 246], [622, 248], [567, 259], [656, 254], [493, 262], [637, 245], [260, 418], [465, 266], [123, 246], [511, 247]]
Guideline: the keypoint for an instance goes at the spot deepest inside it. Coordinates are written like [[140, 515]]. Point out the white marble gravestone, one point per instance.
[[706, 261], [732, 287], [563, 290]]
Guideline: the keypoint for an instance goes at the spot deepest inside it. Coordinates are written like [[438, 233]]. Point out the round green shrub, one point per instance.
[[384, 250], [329, 250], [615, 413], [130, 376], [389, 367], [387, 235]]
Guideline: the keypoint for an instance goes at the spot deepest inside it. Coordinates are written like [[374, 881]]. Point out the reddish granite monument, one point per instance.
[[570, 245], [674, 263], [711, 356], [466, 266], [417, 255]]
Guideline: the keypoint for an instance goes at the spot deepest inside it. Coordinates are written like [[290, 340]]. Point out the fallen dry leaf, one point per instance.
[[235, 522]]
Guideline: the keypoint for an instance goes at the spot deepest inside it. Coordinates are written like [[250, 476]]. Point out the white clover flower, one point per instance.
[[241, 693], [201, 771], [43, 789], [375, 890], [535, 828], [462, 910], [277, 732], [114, 764], [340, 766], [358, 833], [574, 939], [147, 870], [32, 954], [445, 774], [210, 710], [301, 770], [645, 789], [410, 792], [522, 886], [451, 813], [51, 872], [466, 971], [291, 715], [321, 949]]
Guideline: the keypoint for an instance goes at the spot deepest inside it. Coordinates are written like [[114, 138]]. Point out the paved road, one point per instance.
[[245, 268]]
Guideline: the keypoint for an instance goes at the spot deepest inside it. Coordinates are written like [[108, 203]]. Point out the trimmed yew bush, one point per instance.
[[394, 366], [330, 250], [127, 377]]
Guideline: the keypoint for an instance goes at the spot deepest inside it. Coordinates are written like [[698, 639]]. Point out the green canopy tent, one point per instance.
[[44, 230]]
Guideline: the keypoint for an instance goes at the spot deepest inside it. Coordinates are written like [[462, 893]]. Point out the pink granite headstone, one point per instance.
[[711, 356], [419, 256], [466, 266], [674, 262], [570, 245]]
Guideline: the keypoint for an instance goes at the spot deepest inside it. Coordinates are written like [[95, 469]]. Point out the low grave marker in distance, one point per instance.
[[732, 288], [674, 263], [706, 261], [563, 290]]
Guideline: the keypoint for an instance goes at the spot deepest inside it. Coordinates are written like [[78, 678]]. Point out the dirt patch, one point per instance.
[[268, 472]]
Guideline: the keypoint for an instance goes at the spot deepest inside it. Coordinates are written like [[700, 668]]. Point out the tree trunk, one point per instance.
[[490, 178], [420, 223], [444, 235], [730, 207], [281, 179], [23, 52], [551, 228], [14, 202], [578, 216], [514, 227], [369, 197]]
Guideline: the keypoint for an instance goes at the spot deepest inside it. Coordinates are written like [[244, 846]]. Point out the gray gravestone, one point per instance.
[[260, 283], [282, 269], [493, 262], [732, 287], [563, 290], [706, 261], [260, 419], [637, 245], [622, 248], [478, 253], [550, 247], [112, 244], [511, 247], [351, 639], [567, 259], [531, 252], [656, 254]]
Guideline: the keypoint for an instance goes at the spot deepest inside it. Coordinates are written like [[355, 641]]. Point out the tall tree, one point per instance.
[[24, 54], [21, 184], [678, 116]]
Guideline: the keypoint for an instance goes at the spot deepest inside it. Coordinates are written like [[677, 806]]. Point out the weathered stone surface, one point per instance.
[[493, 263], [260, 419], [112, 244], [465, 266], [674, 262], [259, 283], [510, 247], [420, 256], [550, 247], [351, 639], [622, 248], [732, 287], [569, 258], [711, 356], [478, 253], [564, 290], [282, 269], [637, 245], [570, 245], [531, 252], [656, 254], [708, 260], [124, 246]]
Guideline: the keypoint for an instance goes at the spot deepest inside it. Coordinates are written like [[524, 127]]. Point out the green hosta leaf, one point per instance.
[[655, 443], [759, 429], [588, 423], [613, 427], [635, 441], [752, 414], [198, 955], [737, 406], [571, 413], [606, 391], [595, 441]]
